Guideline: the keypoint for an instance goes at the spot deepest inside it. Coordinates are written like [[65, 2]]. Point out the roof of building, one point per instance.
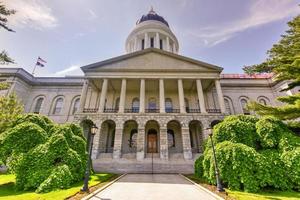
[[247, 76], [152, 15]]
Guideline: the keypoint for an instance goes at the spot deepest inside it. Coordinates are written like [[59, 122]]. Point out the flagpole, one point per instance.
[[34, 69]]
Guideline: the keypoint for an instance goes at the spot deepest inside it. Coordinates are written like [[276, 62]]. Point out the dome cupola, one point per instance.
[[152, 31]]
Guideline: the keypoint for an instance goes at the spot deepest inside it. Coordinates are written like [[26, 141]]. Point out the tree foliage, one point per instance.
[[270, 159], [43, 155], [4, 13], [284, 61], [10, 109]]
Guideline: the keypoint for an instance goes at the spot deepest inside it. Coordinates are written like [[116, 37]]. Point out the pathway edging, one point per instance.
[[202, 188], [102, 188]]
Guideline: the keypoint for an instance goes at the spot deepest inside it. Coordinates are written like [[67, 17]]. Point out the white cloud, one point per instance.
[[33, 13], [72, 70], [260, 13], [92, 14]]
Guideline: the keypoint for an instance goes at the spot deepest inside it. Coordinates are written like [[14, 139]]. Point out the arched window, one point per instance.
[[58, 106], [168, 105], [186, 103], [244, 107], [117, 103], [228, 106], [133, 138], [135, 105], [152, 104], [38, 105], [262, 101], [76, 106], [171, 138]]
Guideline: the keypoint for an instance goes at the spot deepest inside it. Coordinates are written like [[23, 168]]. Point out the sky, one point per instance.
[[69, 34]]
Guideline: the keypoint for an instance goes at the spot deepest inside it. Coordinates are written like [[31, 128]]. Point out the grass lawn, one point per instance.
[[237, 195], [7, 191]]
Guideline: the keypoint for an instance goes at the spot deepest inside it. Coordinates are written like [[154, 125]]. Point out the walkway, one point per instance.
[[153, 187]]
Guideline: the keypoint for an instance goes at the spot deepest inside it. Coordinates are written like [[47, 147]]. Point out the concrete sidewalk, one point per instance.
[[153, 187]]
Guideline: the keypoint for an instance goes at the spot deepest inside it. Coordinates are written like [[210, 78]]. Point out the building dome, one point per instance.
[[151, 31], [152, 15]]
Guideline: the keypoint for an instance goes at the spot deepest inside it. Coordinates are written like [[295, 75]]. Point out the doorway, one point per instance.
[[152, 141]]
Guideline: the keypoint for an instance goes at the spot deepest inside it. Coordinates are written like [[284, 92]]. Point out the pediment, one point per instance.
[[151, 60]]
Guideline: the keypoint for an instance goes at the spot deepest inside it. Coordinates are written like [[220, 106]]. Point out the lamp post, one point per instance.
[[219, 184], [93, 131]]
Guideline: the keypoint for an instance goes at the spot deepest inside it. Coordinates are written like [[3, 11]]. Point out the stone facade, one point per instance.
[[153, 106]]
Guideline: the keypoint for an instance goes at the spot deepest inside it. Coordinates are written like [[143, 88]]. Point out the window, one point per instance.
[[262, 101], [171, 138], [227, 106], [58, 106], [192, 139], [152, 104], [152, 42], [117, 103], [168, 105], [143, 44], [133, 138], [186, 103], [244, 107], [38, 105], [135, 104], [160, 44], [76, 106]]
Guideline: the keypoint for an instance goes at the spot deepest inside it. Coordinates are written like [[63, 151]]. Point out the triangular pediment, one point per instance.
[[151, 60]]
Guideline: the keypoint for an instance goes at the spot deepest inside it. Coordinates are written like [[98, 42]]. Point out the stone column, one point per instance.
[[157, 40], [83, 95], [220, 95], [181, 96], [122, 96], [142, 96], [174, 48], [118, 143], [103, 95], [186, 143], [140, 149], [161, 96], [200, 96], [168, 44], [146, 41], [163, 141], [96, 144], [135, 44]]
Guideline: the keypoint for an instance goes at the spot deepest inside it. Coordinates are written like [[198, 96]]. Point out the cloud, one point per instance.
[[33, 13], [92, 14], [72, 70], [261, 12]]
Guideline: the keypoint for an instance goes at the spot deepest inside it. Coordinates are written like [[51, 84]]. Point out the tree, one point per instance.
[[10, 108], [284, 61], [4, 12]]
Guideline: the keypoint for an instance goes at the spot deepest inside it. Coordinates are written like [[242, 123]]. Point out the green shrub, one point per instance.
[[43, 155], [238, 165], [199, 166], [270, 130], [60, 178], [291, 160], [237, 129], [272, 170]]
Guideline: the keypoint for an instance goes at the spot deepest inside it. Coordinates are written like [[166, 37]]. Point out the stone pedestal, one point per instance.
[[186, 143], [118, 143], [140, 149], [164, 153]]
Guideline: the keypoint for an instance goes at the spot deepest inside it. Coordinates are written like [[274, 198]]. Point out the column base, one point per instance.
[[188, 155], [140, 155], [117, 154]]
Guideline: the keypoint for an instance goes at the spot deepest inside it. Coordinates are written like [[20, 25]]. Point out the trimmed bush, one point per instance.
[[237, 129], [252, 154], [238, 164], [44, 156]]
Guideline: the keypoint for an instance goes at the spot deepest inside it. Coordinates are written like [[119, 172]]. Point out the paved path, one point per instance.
[[152, 187]]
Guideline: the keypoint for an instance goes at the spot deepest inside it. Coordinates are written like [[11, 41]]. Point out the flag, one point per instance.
[[40, 62]]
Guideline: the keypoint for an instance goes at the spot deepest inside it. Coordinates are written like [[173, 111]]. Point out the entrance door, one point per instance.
[[152, 141]]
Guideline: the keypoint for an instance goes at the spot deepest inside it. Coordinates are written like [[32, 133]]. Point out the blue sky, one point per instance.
[[72, 33]]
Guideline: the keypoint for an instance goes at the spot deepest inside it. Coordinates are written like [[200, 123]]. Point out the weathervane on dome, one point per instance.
[[151, 10]]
